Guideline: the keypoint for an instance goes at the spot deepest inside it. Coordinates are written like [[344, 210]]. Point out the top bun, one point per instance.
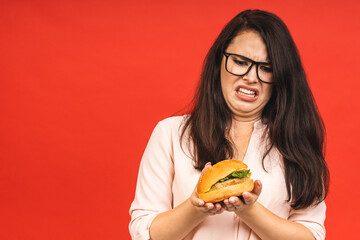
[[217, 172]]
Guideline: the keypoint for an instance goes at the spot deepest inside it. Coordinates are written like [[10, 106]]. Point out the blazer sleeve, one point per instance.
[[312, 217], [154, 184]]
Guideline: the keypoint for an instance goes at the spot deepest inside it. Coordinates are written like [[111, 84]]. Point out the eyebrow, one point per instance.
[[246, 58]]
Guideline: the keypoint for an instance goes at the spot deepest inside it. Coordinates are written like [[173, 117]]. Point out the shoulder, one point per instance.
[[172, 124], [174, 121], [169, 127]]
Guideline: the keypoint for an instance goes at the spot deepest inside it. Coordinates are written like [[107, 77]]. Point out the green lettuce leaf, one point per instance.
[[235, 175]]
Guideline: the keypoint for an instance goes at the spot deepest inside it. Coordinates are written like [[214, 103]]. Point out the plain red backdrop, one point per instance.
[[83, 83]]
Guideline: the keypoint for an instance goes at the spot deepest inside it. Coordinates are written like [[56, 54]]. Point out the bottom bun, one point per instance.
[[220, 194]]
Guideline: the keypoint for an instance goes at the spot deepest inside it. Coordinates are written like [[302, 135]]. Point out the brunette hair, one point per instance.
[[293, 123]]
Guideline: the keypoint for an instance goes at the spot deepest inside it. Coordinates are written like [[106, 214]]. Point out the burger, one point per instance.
[[223, 180]]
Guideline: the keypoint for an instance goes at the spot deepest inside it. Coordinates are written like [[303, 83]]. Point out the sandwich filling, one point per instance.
[[232, 179]]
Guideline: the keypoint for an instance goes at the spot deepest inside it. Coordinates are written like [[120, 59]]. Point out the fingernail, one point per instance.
[[245, 195]]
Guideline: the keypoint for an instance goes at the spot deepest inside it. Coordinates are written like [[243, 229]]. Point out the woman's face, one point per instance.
[[246, 96]]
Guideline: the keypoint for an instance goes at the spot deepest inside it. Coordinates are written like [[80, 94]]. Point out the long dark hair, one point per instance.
[[293, 123]]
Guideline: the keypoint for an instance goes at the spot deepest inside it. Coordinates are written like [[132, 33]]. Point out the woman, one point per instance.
[[253, 104]]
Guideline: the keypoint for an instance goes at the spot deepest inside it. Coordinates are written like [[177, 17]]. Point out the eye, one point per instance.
[[266, 68], [240, 63]]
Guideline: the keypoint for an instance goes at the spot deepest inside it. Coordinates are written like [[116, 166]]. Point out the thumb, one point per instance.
[[207, 167], [257, 187], [251, 197]]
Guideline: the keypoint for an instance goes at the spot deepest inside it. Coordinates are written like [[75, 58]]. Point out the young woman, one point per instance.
[[253, 104]]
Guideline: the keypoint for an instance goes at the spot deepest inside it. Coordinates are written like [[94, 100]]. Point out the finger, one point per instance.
[[234, 201], [213, 210], [229, 208], [206, 167], [197, 202], [226, 204], [229, 202], [249, 198], [200, 202], [217, 209], [209, 206], [257, 187], [218, 206]]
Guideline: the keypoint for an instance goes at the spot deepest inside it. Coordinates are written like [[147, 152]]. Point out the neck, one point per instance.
[[240, 134], [242, 125]]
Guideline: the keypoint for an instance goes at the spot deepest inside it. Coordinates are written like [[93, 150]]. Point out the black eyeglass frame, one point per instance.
[[227, 55]]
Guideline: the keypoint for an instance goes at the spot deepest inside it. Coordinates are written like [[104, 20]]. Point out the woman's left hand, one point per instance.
[[245, 202]]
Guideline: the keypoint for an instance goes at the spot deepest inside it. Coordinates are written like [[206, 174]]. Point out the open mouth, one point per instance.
[[246, 92]]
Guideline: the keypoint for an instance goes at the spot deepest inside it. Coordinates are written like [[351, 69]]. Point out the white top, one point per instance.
[[167, 178]]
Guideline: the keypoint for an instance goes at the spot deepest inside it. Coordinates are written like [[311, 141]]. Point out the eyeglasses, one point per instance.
[[239, 65]]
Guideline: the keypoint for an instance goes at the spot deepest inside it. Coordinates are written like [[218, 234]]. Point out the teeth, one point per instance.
[[246, 92]]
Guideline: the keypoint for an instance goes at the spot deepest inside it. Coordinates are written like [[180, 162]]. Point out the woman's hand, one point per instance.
[[181, 220], [199, 204], [245, 202]]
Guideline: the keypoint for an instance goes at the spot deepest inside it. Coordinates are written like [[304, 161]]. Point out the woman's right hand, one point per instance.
[[199, 204], [181, 220]]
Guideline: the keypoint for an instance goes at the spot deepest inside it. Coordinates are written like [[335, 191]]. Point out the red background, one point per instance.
[[83, 83]]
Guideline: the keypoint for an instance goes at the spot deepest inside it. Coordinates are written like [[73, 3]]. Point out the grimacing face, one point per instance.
[[246, 96]]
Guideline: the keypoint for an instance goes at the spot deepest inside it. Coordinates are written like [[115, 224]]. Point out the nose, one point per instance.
[[251, 76]]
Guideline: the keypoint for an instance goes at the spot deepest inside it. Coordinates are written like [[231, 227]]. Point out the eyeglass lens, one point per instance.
[[240, 66]]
